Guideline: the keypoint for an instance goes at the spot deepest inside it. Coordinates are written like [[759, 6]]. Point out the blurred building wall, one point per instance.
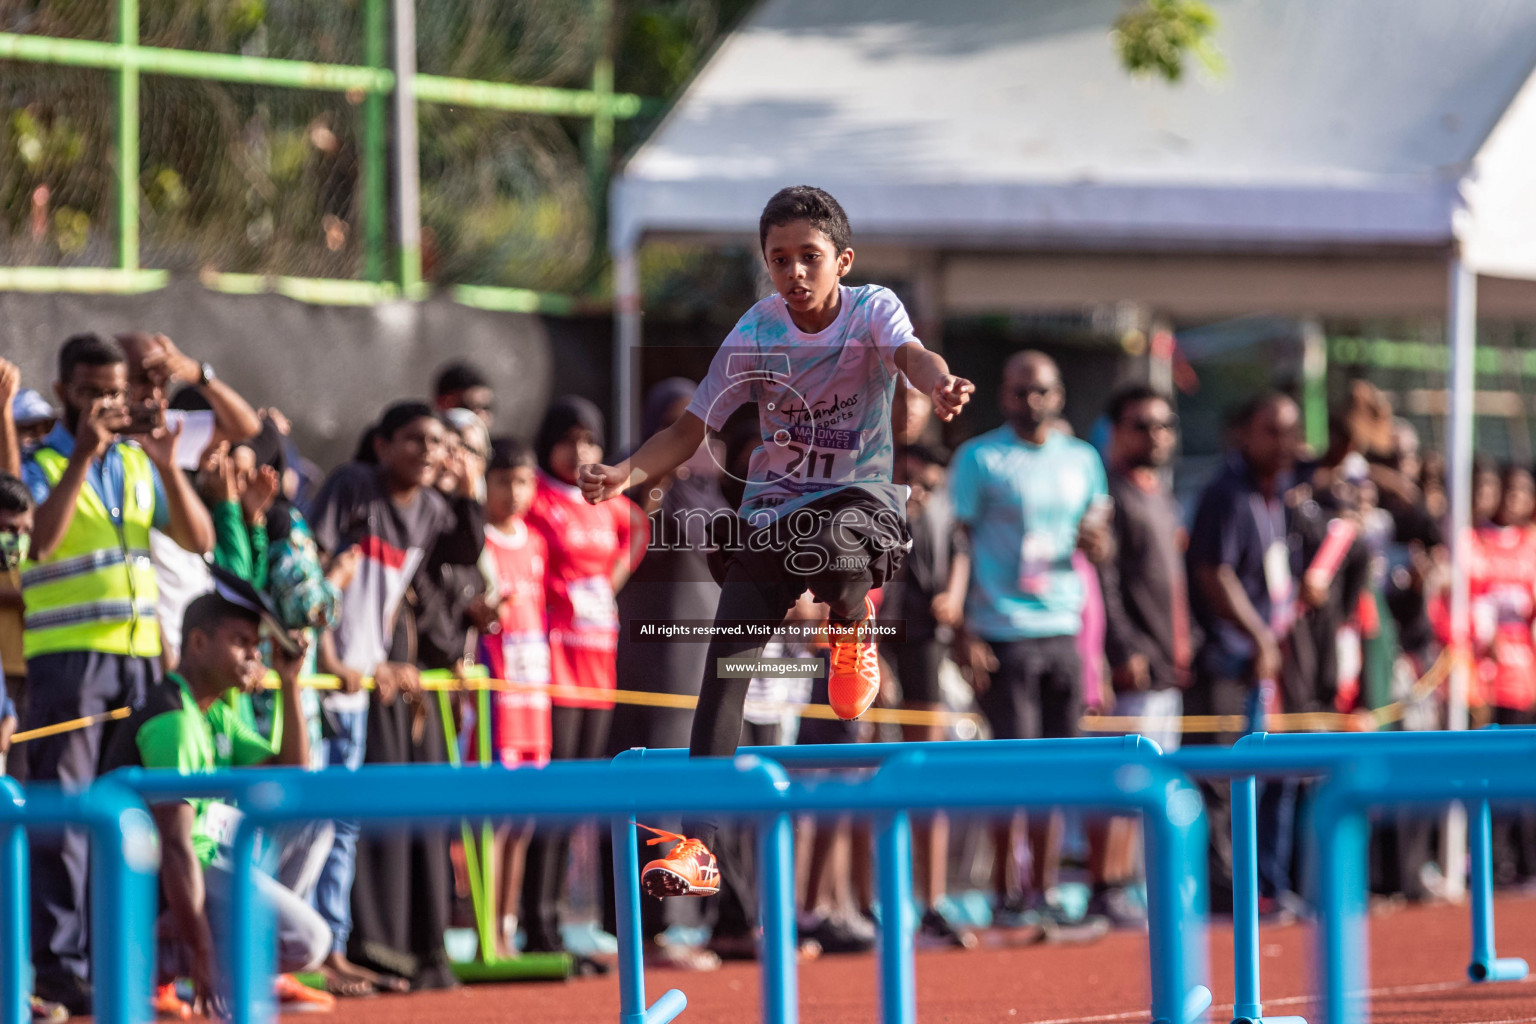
[[330, 369]]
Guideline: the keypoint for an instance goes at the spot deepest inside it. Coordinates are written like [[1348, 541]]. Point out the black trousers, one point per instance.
[[575, 734], [62, 687], [1211, 695], [1036, 691], [839, 547], [1514, 831], [402, 887]]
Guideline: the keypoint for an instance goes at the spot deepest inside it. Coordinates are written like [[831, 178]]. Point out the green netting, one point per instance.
[[250, 179], [56, 175], [71, 19], [327, 31], [258, 179], [534, 42], [504, 200]]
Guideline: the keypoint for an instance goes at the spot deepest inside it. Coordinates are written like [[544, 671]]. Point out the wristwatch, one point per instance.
[[206, 375]]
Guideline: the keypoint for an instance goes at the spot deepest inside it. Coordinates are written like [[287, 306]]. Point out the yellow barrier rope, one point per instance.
[[71, 725], [1313, 721], [442, 680], [1303, 721]]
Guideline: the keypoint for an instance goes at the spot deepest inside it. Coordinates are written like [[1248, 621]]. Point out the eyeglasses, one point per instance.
[[1155, 426], [1038, 391]]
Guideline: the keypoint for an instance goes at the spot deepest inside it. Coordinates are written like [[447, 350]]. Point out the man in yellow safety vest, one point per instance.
[[91, 640]]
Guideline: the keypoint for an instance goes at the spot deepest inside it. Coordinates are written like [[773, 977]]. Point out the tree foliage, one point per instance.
[[1153, 38]]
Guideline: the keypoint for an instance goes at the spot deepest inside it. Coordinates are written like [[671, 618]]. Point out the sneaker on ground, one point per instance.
[[1049, 910], [1013, 913], [680, 957], [937, 931], [1115, 904], [166, 1003], [294, 996], [44, 1012], [853, 681], [689, 870], [835, 935], [69, 991]]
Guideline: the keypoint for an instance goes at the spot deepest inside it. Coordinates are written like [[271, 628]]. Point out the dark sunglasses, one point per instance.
[[1155, 426]]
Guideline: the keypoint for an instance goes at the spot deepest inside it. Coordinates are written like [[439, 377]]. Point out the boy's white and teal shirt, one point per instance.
[[824, 400]]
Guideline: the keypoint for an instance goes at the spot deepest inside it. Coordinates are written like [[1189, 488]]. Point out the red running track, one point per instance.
[[1418, 964]]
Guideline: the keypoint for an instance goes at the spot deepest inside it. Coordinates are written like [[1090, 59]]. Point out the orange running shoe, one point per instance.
[[294, 996], [166, 1003], [854, 679], [689, 870]]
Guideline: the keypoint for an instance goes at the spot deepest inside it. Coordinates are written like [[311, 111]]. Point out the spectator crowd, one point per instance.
[[167, 549]]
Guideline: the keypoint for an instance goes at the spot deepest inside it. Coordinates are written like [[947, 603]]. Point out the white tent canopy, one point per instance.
[[1011, 123]]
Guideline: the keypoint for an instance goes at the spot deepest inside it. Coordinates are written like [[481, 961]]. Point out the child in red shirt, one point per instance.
[[1504, 602], [592, 551], [515, 648]]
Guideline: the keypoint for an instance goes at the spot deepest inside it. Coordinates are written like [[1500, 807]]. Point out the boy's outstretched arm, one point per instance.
[[658, 456], [929, 373]]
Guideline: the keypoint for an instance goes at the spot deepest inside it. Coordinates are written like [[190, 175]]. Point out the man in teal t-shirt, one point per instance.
[[1023, 494], [186, 726]]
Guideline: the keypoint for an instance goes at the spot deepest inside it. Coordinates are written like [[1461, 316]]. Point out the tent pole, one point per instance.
[[1461, 334], [626, 340], [1314, 374]]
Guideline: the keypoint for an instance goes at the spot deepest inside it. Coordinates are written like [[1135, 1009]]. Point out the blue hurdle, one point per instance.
[[1114, 772], [748, 787], [1342, 832], [1301, 754], [125, 859]]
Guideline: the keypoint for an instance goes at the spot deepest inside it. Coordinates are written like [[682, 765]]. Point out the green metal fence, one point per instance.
[[272, 145]]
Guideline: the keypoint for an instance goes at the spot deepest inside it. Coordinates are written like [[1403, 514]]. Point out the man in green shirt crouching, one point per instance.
[[186, 725]]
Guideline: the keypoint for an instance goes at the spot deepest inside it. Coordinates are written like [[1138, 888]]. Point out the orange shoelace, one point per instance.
[[686, 846]]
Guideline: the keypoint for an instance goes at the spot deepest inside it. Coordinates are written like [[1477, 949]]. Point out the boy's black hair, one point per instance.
[[88, 350], [390, 422], [14, 495], [807, 203], [510, 453], [926, 455], [1128, 396], [209, 611], [1245, 413], [456, 377]]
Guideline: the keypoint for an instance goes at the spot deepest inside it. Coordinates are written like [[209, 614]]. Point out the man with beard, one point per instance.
[[1146, 606], [92, 643], [1023, 494]]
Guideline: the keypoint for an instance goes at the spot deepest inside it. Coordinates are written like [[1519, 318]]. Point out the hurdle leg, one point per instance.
[[251, 949], [626, 897], [893, 862], [776, 888], [124, 863], [15, 943], [1486, 965], [1342, 943], [1247, 1008], [1175, 924]]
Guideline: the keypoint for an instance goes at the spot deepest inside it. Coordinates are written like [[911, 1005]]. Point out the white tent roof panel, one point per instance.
[[1337, 122]]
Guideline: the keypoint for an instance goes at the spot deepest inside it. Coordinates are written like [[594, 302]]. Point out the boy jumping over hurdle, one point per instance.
[[820, 510]]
